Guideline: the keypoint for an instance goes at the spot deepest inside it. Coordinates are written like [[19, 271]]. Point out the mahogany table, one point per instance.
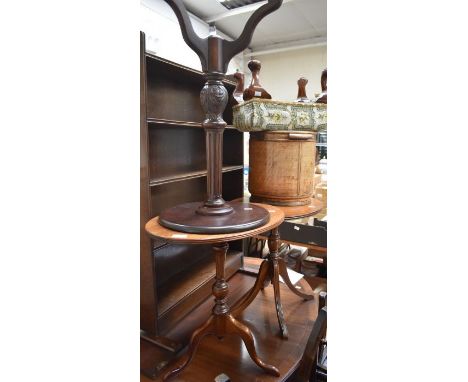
[[222, 321], [274, 265], [229, 356]]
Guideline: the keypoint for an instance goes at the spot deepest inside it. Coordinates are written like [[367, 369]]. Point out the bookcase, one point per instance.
[[174, 279]]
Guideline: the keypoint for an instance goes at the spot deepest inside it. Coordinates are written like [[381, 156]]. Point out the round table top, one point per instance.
[[156, 230], [296, 212]]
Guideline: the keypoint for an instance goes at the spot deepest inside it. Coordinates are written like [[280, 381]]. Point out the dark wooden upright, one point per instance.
[[148, 315], [214, 215]]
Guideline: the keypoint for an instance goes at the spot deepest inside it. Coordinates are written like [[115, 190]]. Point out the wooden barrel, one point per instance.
[[281, 167]]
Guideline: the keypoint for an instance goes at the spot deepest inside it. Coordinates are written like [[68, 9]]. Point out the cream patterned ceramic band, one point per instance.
[[263, 114]]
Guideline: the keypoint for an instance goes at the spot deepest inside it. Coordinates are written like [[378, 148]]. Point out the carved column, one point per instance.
[[214, 98]]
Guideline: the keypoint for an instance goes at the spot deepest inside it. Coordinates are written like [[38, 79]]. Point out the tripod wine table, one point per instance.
[[274, 265], [222, 322]]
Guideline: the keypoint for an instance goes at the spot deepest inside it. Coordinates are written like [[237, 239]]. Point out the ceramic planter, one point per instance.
[[262, 114]]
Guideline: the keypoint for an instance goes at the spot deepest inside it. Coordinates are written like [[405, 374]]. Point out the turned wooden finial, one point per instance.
[[301, 91], [255, 90], [322, 98], [239, 90]]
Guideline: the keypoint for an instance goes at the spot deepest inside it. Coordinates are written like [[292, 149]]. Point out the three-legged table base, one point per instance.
[[222, 322], [270, 270], [229, 325]]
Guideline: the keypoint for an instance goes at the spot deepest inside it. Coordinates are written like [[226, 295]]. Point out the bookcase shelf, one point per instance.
[[170, 194], [170, 122], [177, 152], [189, 175]]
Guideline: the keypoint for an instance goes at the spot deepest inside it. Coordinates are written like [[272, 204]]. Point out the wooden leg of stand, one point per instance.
[[224, 322], [197, 336], [279, 306], [269, 276], [235, 327], [245, 301], [283, 271], [273, 244], [214, 325]]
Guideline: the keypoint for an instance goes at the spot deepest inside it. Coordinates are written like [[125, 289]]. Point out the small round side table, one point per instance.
[[274, 265], [222, 321]]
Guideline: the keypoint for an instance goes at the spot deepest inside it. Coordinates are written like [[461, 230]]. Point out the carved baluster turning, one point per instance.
[[214, 97]]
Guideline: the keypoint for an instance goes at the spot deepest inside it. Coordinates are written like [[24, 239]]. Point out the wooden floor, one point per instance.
[[229, 356]]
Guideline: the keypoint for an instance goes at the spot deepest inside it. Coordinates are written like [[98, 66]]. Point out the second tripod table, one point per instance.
[[274, 266]]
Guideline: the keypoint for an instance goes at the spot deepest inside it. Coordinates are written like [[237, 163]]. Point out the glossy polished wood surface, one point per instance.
[[191, 218], [156, 230], [229, 356]]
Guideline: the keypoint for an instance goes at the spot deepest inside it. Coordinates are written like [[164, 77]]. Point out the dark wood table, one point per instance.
[[274, 265], [229, 356], [222, 322]]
